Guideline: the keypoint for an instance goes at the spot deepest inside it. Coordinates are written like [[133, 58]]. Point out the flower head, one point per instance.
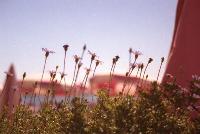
[[24, 75], [93, 55], [162, 59], [150, 60], [87, 70], [130, 50], [76, 58], [127, 73], [35, 84], [133, 66], [47, 52], [137, 54], [117, 58], [84, 47], [98, 62], [57, 67], [65, 47], [52, 74], [62, 75], [140, 66]]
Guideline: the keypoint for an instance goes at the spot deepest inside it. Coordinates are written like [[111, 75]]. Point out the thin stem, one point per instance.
[[21, 89], [25, 99], [75, 68], [64, 77], [83, 83], [94, 70], [144, 74], [93, 76], [133, 81], [45, 62], [159, 72], [110, 78]]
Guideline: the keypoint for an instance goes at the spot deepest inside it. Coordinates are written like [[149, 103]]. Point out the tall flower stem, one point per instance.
[[128, 74], [150, 60], [162, 60], [25, 98], [33, 94], [74, 74], [45, 62], [133, 81], [83, 83], [130, 59], [114, 61], [64, 65], [110, 78], [144, 74], [22, 83], [76, 77]]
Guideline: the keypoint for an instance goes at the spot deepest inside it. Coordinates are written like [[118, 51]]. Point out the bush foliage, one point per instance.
[[160, 109]]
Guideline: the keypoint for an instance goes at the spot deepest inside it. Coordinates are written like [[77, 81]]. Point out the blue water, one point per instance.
[[41, 98]]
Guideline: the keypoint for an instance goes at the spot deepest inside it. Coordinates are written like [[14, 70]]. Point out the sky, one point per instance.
[[108, 27]]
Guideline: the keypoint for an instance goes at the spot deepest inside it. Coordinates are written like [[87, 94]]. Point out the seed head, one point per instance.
[[66, 47], [139, 65], [47, 52], [35, 84], [98, 62], [127, 74], [76, 58], [150, 60], [137, 54], [52, 74], [93, 55], [87, 70], [84, 47], [162, 59], [57, 67], [130, 50], [147, 76], [117, 58], [113, 61], [133, 66], [62, 75], [24, 75]]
